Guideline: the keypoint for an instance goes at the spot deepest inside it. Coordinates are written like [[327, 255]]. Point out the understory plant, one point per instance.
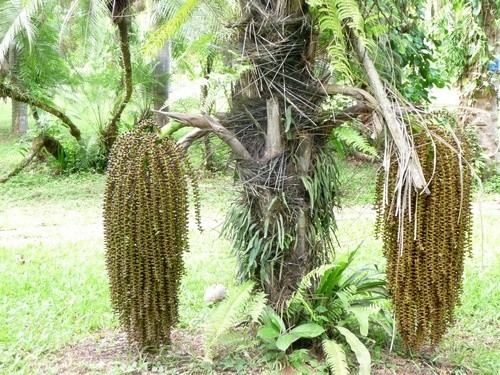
[[332, 307]]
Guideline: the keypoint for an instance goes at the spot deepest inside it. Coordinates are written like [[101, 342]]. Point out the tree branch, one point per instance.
[[111, 132], [210, 124], [329, 121], [397, 129], [355, 92], [26, 98], [36, 146], [186, 141]]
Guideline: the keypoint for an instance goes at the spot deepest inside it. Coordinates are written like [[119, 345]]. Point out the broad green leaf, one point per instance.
[[361, 315], [332, 277], [308, 330], [284, 341], [359, 349], [321, 309], [267, 333], [275, 320]]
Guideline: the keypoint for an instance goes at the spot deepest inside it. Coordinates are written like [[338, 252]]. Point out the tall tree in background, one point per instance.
[[162, 81], [470, 32], [41, 82], [485, 96]]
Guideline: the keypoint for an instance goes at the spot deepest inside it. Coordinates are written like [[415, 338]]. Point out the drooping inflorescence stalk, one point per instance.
[[425, 251], [146, 232]]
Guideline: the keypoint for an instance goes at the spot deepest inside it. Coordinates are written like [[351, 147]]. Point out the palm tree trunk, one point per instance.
[[19, 117], [484, 117], [162, 82], [274, 113], [121, 16], [19, 109], [283, 225], [207, 144]]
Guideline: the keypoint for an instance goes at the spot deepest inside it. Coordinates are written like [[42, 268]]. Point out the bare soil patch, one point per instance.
[[107, 352]]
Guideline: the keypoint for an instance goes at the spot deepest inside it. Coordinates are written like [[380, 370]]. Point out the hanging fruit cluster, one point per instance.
[[146, 232], [425, 250]]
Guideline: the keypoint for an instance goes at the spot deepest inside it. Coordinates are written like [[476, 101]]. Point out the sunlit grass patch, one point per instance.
[[473, 342], [50, 296], [53, 282]]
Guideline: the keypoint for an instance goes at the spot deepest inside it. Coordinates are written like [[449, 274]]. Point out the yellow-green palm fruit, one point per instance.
[[146, 232], [425, 253]]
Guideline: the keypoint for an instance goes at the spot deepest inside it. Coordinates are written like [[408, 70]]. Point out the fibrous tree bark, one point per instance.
[[121, 16], [19, 109], [19, 117], [207, 144], [282, 227]]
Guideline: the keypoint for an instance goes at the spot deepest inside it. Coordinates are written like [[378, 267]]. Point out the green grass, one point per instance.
[[356, 182], [53, 285], [50, 300], [59, 294]]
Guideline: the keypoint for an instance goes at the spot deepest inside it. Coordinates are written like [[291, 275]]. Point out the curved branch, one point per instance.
[[35, 149], [186, 141], [397, 129], [111, 132], [188, 120], [329, 121], [230, 139], [355, 92], [25, 98], [210, 124]]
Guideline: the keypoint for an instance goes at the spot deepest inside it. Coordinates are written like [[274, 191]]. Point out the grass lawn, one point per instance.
[[54, 292], [55, 316]]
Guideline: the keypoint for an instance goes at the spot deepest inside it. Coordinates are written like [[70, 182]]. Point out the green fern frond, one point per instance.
[[336, 311], [346, 295], [300, 298], [362, 354], [335, 357], [257, 306], [348, 10], [306, 282], [337, 18], [352, 138], [170, 28], [22, 22], [227, 315]]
